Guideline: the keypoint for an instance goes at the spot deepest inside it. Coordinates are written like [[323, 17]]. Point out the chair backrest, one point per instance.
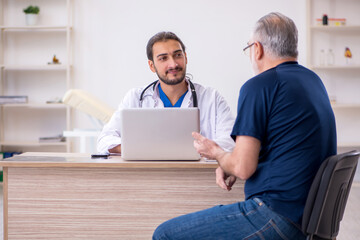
[[89, 104], [328, 195]]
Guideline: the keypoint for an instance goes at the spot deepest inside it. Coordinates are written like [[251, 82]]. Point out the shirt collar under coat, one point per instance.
[[187, 102]]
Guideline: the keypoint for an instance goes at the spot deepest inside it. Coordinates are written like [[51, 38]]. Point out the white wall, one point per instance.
[[110, 39]]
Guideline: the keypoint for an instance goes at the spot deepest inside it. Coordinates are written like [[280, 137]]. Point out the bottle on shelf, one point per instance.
[[325, 20], [322, 57], [330, 57], [348, 55]]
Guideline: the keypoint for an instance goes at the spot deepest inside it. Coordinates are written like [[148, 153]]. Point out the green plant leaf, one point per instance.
[[32, 10]]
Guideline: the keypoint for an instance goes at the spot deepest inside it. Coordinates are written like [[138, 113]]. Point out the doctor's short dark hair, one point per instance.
[[161, 37]]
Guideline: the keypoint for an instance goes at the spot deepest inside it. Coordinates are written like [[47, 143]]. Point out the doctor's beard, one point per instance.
[[174, 81]]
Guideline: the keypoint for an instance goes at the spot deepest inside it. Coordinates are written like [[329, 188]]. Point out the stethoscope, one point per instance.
[[192, 88]]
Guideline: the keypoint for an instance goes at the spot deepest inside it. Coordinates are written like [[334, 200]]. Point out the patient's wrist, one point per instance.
[[218, 152]]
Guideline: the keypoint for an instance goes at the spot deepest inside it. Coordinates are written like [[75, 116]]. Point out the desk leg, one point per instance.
[[5, 202], [83, 144]]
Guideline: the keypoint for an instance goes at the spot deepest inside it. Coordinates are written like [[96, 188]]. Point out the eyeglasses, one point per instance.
[[246, 50]]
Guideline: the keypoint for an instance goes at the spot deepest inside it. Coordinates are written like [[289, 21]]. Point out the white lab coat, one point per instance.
[[216, 119]]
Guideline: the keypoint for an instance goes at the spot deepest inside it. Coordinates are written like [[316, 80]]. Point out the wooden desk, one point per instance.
[[67, 196]]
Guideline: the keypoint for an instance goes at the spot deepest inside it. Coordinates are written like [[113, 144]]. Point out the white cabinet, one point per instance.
[[27, 68], [326, 56]]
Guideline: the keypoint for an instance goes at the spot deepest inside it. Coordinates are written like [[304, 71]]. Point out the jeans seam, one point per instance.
[[257, 232], [277, 229], [268, 225], [254, 210], [285, 218], [289, 220]]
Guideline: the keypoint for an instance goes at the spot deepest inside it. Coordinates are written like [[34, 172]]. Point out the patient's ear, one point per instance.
[[259, 51], [152, 66]]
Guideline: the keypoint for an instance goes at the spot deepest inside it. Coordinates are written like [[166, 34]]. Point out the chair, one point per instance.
[[83, 101], [328, 195]]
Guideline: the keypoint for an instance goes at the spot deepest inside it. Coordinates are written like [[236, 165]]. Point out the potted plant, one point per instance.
[[31, 14]]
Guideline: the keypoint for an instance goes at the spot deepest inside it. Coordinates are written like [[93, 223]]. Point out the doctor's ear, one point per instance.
[[152, 66]]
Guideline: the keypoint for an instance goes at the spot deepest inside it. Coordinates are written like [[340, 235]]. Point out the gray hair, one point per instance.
[[278, 35]]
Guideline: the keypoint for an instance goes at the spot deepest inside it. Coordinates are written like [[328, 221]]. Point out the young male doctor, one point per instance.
[[167, 58]]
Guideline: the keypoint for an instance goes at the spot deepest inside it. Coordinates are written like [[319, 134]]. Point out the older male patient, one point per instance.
[[284, 129]]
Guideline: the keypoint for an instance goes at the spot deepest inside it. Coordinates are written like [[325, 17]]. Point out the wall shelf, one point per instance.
[[341, 81], [35, 105], [32, 28], [31, 143], [336, 67], [345, 105], [24, 54], [347, 29], [346, 145], [35, 67]]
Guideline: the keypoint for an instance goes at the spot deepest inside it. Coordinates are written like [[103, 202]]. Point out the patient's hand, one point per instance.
[[116, 149], [206, 147], [221, 178]]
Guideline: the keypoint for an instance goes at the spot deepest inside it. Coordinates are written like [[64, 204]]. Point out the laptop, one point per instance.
[[159, 133]]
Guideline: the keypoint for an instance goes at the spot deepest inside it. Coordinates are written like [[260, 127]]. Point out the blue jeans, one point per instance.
[[249, 220]]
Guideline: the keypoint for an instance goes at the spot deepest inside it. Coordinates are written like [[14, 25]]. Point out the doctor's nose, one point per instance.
[[172, 63]]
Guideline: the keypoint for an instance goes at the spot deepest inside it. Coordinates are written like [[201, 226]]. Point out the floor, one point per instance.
[[349, 229]]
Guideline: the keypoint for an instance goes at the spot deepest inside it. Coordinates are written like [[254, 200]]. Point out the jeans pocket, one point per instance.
[[268, 231]]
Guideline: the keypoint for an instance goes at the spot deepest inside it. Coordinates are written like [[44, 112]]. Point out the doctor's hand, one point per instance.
[[116, 149], [221, 178], [206, 147]]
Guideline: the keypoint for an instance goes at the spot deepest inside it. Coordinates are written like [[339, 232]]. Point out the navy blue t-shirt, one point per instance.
[[287, 108]]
